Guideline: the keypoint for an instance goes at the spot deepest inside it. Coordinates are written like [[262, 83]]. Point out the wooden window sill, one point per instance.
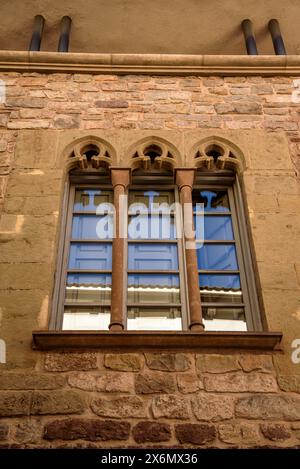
[[158, 340]]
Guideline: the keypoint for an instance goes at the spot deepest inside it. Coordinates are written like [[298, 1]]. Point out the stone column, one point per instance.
[[120, 178], [184, 181]]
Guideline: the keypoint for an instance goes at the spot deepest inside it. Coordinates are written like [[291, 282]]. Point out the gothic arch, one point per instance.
[[152, 152], [89, 151], [218, 152]]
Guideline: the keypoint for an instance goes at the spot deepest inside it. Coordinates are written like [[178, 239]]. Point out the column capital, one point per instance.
[[120, 176], [185, 177]]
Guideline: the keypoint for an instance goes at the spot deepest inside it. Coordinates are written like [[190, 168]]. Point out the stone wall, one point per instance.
[[148, 400], [221, 399]]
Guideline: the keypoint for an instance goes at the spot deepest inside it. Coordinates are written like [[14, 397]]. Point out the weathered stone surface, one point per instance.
[[3, 431], [23, 381], [239, 434], [123, 362], [240, 382], [119, 407], [212, 407], [154, 382], [277, 407], [105, 382], [189, 382], [275, 432], [170, 406], [151, 432], [28, 431], [262, 363], [56, 402], [14, 403], [212, 363], [289, 383], [70, 361], [86, 429], [195, 434], [168, 361], [113, 103]]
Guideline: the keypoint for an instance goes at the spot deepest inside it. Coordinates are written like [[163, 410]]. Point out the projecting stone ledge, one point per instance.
[[158, 340]]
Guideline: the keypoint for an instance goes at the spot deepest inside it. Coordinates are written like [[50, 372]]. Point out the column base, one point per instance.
[[116, 326]]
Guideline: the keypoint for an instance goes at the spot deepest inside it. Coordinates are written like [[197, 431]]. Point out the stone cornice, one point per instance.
[[155, 64]]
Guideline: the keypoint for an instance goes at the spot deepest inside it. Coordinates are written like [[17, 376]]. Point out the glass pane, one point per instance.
[[85, 319], [139, 200], [154, 319], [92, 227], [92, 288], [218, 228], [90, 256], [220, 289], [217, 257], [151, 227], [87, 200], [213, 201], [231, 282], [224, 319], [152, 288], [147, 256]]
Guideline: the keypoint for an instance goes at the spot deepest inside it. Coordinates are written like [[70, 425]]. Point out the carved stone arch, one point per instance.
[[217, 152], [152, 152], [89, 151]]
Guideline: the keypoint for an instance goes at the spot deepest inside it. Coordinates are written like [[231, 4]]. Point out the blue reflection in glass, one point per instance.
[[89, 199], [90, 256], [89, 279], [92, 227], [211, 201], [152, 256], [220, 281], [217, 257], [151, 227], [218, 228]]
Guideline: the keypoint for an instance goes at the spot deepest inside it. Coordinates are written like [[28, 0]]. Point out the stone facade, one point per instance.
[[220, 399]]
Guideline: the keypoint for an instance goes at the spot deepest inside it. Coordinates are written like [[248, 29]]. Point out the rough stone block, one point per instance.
[[212, 407], [70, 361], [189, 383], [3, 431], [212, 363], [262, 363], [168, 361], [154, 382], [276, 407], [170, 406], [195, 434], [151, 432], [120, 407], [86, 429], [56, 402], [275, 432], [123, 362], [14, 403], [27, 380], [240, 382]]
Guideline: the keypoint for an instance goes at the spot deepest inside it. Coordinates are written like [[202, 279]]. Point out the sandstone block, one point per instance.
[[3, 431], [154, 382], [70, 361], [262, 363], [168, 361], [56, 402], [23, 381], [212, 407], [170, 406], [240, 382], [123, 362], [275, 432], [86, 429], [120, 407], [151, 432], [195, 434], [277, 407], [14, 403], [189, 383], [212, 363]]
